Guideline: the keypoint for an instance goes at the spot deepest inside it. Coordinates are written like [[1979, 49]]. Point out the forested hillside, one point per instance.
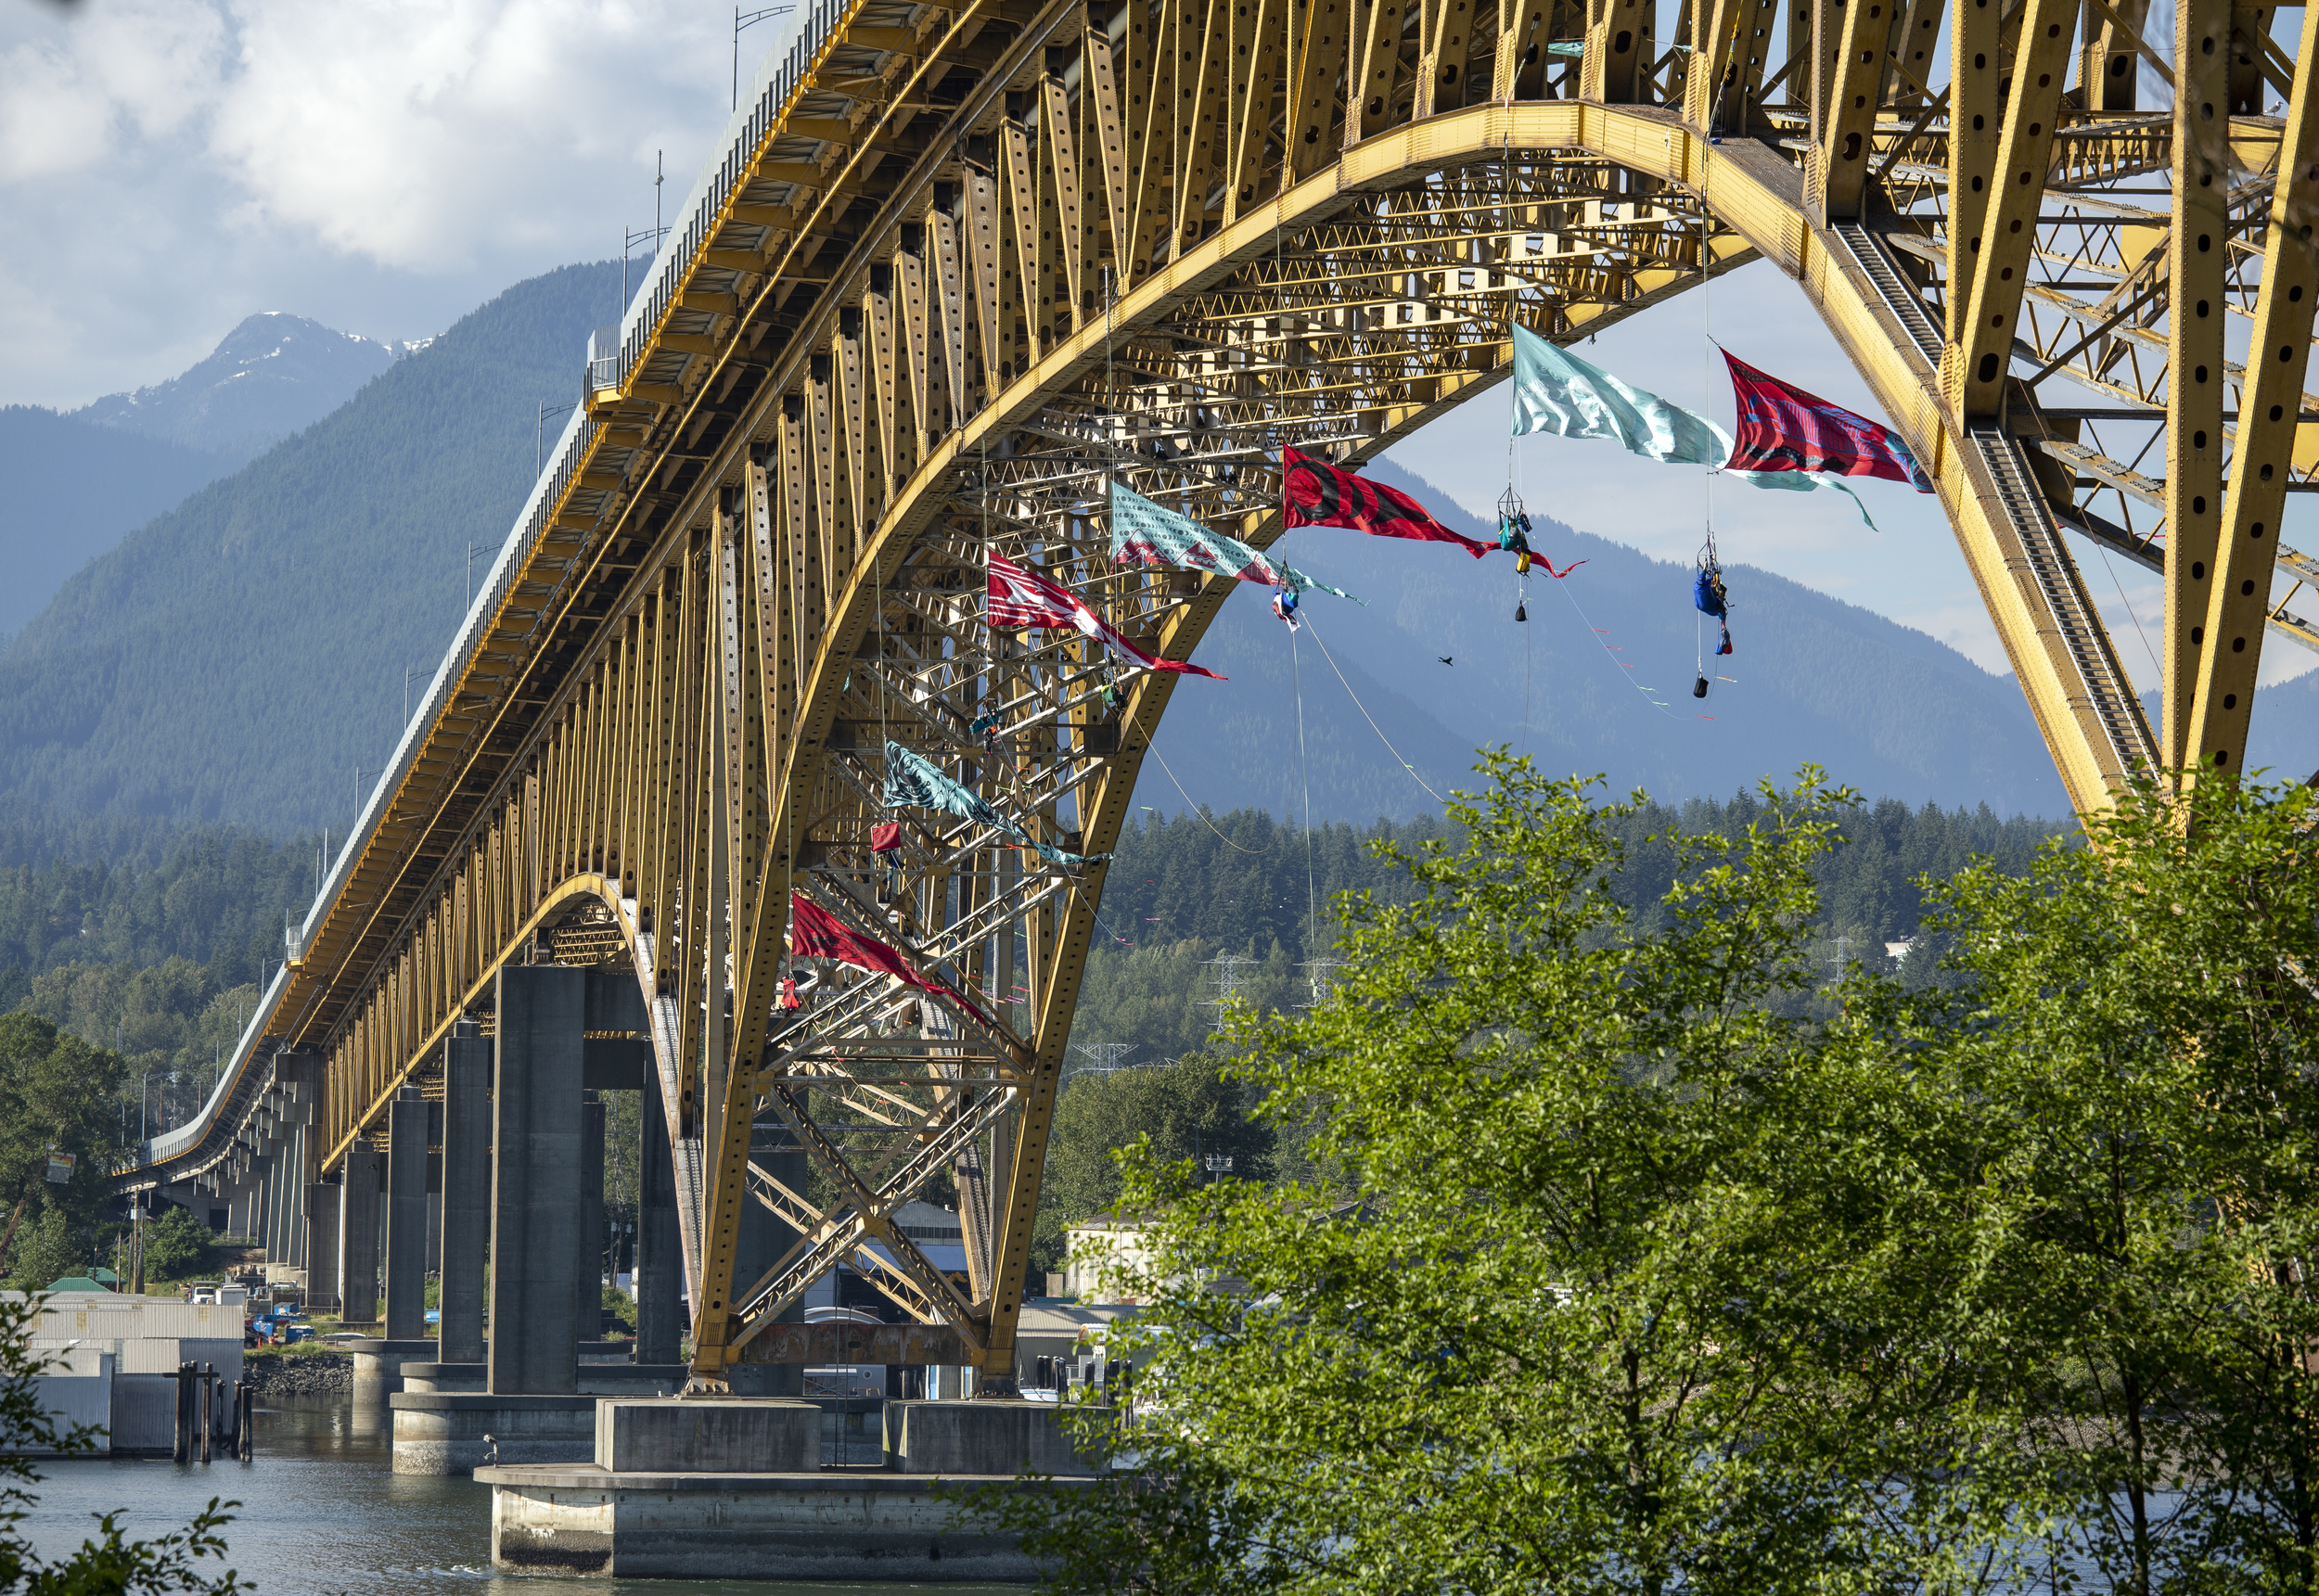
[[242, 657], [75, 490], [158, 938], [1196, 905]]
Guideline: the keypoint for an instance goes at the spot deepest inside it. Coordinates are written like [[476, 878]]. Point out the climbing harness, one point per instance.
[[1514, 537], [1710, 597]]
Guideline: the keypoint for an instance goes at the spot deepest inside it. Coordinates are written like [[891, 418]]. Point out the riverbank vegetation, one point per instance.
[[1615, 1265]]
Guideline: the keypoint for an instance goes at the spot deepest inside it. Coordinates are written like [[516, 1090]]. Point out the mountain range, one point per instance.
[[1596, 680], [242, 657], [271, 375], [82, 479]]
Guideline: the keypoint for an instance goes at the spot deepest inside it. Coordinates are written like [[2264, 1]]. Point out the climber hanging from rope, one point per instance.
[[1514, 536], [1711, 597]]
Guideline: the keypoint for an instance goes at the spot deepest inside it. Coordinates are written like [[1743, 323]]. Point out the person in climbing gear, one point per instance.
[[1709, 592], [1514, 537], [1285, 607], [985, 726], [1713, 599]]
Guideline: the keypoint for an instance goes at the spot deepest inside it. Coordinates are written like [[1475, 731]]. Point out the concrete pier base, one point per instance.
[[581, 1519], [442, 1432], [986, 1436], [638, 1380], [378, 1366]]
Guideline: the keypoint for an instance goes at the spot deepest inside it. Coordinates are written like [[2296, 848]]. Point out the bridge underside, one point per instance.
[[965, 268]]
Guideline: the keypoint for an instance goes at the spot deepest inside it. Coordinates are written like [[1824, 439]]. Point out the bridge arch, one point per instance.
[[960, 267]]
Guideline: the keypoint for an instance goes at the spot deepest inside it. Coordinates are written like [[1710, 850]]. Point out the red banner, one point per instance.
[[1784, 428], [1314, 493], [814, 933], [1017, 599]]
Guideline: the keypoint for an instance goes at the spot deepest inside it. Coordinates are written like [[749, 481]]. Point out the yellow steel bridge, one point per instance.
[[962, 266]]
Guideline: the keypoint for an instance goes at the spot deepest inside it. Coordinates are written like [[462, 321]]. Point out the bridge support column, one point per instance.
[[588, 1297], [297, 1192], [764, 1238], [279, 1181], [406, 1216], [659, 1248], [535, 1182], [358, 1236], [322, 1245], [466, 1186]]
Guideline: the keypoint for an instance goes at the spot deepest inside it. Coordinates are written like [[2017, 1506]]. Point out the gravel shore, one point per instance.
[[316, 1375]]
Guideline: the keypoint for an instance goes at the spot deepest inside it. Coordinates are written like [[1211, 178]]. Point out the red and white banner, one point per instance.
[[1017, 599]]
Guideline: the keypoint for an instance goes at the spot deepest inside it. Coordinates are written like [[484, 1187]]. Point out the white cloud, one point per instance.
[[170, 166]]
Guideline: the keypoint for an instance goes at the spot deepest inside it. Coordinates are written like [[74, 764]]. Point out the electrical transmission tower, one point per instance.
[[1321, 978], [1099, 1057]]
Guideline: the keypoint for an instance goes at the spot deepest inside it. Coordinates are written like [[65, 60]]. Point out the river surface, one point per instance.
[[323, 1512]]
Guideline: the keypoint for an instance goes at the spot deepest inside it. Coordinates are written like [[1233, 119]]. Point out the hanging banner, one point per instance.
[[1155, 535], [814, 933], [1784, 428], [1314, 493], [1557, 392], [915, 780], [1017, 600]]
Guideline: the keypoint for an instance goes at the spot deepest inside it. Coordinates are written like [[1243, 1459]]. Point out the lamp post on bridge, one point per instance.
[[538, 461], [749, 19]]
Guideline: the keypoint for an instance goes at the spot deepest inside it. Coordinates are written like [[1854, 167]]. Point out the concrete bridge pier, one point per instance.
[[406, 1216], [659, 1248], [357, 1251], [588, 1260], [530, 1401], [535, 1182], [322, 1245], [467, 1185], [735, 1488]]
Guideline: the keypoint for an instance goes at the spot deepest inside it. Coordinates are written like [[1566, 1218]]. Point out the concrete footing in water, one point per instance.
[[379, 1365], [456, 1432], [729, 1489]]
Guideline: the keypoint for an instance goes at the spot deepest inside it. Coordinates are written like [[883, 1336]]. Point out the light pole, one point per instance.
[[748, 21], [538, 460], [472, 549]]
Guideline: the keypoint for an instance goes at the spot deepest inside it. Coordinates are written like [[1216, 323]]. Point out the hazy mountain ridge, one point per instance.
[[241, 658], [75, 490], [271, 375], [1884, 708], [82, 479]]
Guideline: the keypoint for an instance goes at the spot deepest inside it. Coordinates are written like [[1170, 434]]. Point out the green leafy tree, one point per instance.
[[1607, 1293], [1184, 1109], [49, 1249], [176, 1247], [2126, 1072], [108, 1562], [56, 1094]]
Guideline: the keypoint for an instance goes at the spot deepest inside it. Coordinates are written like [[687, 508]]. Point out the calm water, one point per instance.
[[323, 1512]]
